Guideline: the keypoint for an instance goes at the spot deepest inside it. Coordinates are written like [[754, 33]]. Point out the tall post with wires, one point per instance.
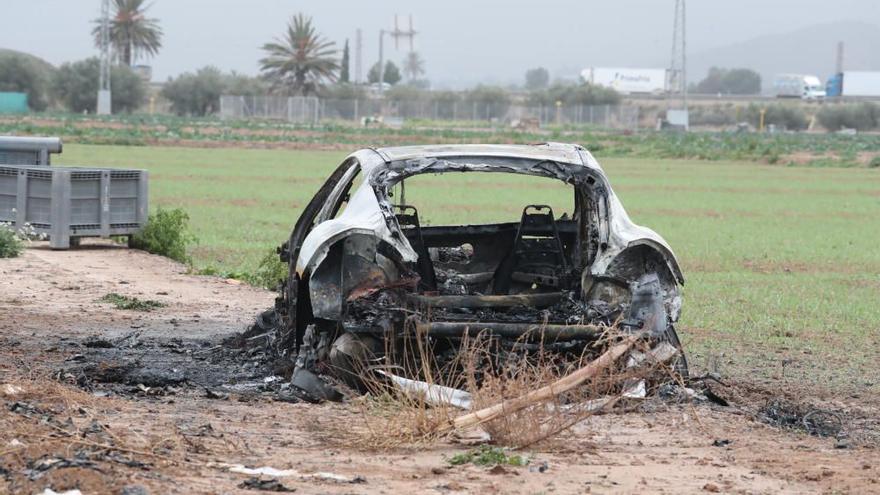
[[358, 54], [397, 33], [677, 107], [104, 106], [408, 34]]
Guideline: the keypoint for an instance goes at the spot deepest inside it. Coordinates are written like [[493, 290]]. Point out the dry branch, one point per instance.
[[545, 393]]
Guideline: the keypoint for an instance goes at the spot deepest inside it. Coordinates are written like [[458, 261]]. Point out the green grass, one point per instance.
[[131, 303], [782, 263], [486, 455]]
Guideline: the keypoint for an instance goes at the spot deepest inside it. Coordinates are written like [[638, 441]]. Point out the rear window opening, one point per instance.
[[474, 198], [490, 233]]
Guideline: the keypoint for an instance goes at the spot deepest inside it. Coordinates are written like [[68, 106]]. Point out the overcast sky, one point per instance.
[[462, 41]]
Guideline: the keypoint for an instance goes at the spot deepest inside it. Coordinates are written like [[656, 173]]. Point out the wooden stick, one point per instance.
[[545, 393]]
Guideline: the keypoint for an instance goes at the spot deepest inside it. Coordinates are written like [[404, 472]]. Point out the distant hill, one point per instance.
[[811, 50]]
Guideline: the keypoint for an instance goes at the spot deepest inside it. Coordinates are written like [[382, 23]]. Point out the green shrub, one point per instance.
[[575, 94], [166, 233], [405, 92], [730, 81], [875, 162], [24, 73], [10, 244], [269, 273], [195, 94], [861, 116], [390, 75], [198, 94], [487, 102], [76, 86], [343, 91], [712, 115], [486, 455], [789, 117]]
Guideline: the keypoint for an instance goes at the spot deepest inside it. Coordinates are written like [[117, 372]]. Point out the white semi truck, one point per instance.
[[855, 83], [627, 80], [802, 86]]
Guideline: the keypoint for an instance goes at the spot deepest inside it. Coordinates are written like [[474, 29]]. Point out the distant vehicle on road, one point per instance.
[[624, 80], [802, 86], [854, 83]]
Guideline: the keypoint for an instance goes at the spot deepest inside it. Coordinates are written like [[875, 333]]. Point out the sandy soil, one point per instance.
[[177, 440]]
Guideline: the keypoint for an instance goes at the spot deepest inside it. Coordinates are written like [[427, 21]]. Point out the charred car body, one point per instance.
[[364, 271]]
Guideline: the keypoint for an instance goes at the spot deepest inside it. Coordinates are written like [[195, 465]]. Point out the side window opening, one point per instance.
[[341, 193]]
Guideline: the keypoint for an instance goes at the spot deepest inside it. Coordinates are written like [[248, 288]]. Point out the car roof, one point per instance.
[[557, 152]]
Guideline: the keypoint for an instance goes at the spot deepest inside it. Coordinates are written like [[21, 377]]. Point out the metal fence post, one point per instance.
[[143, 195], [104, 201], [59, 214], [21, 201]]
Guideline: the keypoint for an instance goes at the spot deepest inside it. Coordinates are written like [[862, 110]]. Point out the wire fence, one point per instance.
[[296, 109], [312, 110]]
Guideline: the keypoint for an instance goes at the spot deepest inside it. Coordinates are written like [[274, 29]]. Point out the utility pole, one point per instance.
[[677, 104], [358, 54], [398, 33], [104, 106], [381, 61]]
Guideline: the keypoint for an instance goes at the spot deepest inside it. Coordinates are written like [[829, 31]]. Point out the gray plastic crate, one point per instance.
[[70, 203], [28, 150]]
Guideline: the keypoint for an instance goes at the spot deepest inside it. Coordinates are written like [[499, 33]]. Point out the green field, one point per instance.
[[782, 263], [782, 148]]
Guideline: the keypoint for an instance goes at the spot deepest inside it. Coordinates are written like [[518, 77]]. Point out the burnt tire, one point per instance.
[[350, 357]]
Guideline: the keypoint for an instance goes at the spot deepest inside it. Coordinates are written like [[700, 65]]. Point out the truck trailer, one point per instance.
[[626, 80], [854, 83], [802, 86]]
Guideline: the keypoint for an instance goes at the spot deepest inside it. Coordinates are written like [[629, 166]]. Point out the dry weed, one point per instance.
[[392, 418]]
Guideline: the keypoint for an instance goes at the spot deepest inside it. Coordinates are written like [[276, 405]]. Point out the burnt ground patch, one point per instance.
[[229, 367], [139, 365]]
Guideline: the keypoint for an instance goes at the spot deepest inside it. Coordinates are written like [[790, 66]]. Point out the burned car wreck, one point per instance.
[[364, 272]]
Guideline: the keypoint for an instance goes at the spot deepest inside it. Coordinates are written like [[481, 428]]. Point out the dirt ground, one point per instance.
[[151, 433]]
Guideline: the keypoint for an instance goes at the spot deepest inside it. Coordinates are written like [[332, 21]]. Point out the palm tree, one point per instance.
[[132, 33], [301, 60], [413, 66]]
